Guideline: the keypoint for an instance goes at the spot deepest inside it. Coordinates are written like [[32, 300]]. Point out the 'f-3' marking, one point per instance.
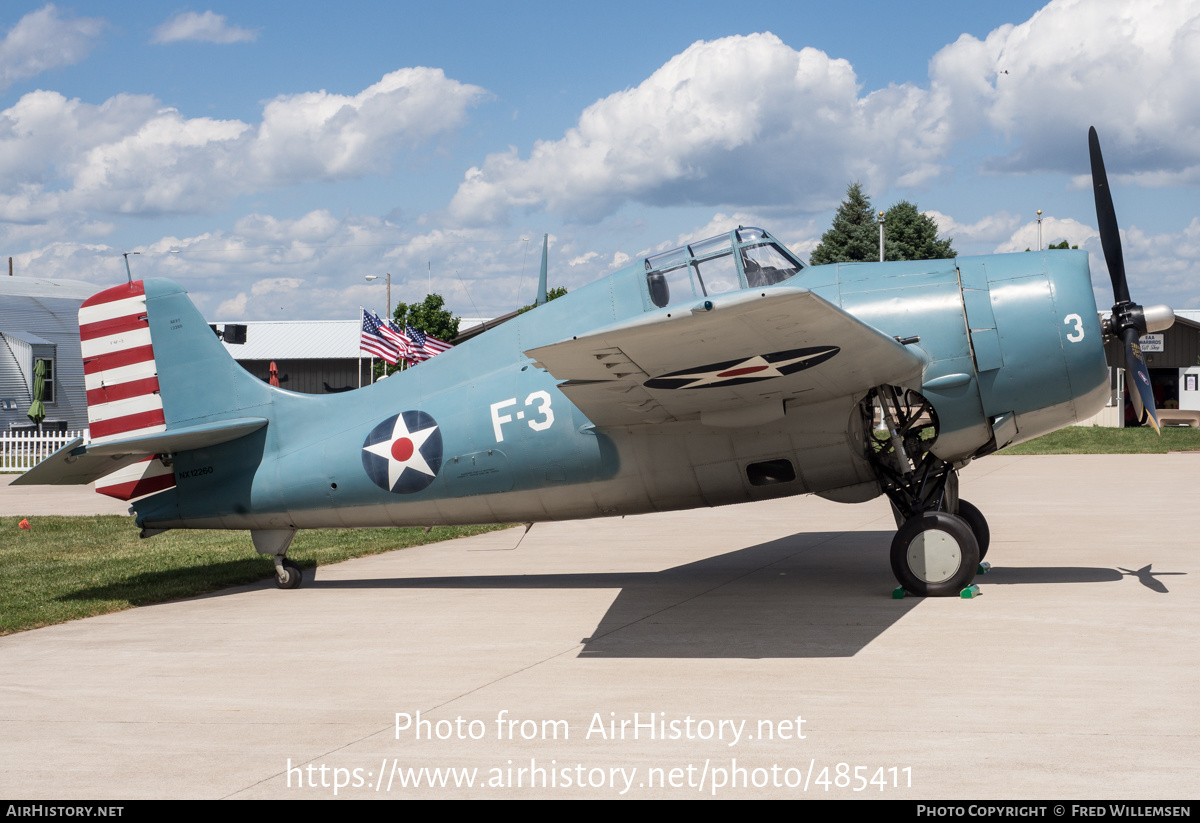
[[541, 398]]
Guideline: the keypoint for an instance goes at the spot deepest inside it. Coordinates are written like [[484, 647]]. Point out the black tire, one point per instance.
[[979, 526], [935, 555], [290, 576]]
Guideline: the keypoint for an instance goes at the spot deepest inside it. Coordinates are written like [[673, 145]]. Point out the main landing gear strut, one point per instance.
[[941, 539]]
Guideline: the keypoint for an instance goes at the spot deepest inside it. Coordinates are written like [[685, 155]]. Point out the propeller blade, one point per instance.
[[1137, 372], [1106, 220]]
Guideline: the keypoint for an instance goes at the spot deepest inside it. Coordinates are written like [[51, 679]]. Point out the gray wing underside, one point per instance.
[[668, 366]]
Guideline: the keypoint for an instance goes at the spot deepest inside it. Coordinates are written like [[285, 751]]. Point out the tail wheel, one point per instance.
[[288, 575], [935, 554]]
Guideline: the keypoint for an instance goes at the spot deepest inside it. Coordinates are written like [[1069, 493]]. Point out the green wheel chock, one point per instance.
[[898, 593], [969, 592], [984, 567]]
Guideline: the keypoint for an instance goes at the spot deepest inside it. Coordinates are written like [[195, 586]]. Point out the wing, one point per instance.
[[739, 364]]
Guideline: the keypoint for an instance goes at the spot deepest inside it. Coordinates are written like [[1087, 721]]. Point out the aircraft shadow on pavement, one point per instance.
[[813, 594], [1077, 574]]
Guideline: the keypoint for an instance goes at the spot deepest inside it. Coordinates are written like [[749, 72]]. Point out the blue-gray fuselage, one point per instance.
[[482, 433]]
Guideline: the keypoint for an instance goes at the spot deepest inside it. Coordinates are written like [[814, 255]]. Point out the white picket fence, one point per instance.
[[21, 450]]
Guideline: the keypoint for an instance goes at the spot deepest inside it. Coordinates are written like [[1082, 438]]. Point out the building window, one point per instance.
[[48, 391]]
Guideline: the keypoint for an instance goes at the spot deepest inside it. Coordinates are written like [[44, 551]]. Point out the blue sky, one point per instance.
[[269, 156]]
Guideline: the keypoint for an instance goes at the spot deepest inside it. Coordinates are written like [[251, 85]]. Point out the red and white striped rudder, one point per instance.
[[121, 378]]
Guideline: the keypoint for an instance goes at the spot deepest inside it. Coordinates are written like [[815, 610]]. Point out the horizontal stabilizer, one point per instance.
[[182, 439], [76, 464]]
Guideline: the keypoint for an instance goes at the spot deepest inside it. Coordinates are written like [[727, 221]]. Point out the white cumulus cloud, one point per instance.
[[314, 266], [43, 40], [992, 228], [740, 120], [207, 27], [130, 155], [583, 259], [750, 122], [1054, 231], [1128, 67]]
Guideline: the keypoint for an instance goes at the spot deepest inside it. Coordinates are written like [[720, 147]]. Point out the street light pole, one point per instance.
[[371, 278], [880, 237], [1039, 229]]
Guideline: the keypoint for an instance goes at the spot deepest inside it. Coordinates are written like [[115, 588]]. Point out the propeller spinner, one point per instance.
[[1129, 320]]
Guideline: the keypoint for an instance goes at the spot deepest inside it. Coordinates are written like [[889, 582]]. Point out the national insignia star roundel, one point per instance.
[[403, 453], [744, 370]]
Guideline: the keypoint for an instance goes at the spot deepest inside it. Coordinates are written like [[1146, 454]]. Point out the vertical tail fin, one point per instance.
[[160, 387], [152, 366], [120, 374]]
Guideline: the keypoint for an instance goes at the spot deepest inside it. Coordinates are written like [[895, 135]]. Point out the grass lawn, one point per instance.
[[65, 568], [1100, 440]]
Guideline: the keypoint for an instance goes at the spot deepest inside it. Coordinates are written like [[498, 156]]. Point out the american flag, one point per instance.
[[371, 340], [423, 345], [394, 335]]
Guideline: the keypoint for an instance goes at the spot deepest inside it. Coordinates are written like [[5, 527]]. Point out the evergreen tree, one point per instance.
[[854, 235], [910, 235]]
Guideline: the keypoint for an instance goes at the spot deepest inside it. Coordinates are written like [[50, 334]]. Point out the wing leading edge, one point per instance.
[[740, 363]]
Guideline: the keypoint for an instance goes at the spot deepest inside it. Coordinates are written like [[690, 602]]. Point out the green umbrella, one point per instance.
[[37, 409]]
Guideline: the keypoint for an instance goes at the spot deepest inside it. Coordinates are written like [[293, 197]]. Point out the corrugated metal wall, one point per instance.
[[55, 320], [16, 360], [310, 376]]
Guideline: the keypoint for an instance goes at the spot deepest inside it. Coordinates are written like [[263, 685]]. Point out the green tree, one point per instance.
[[854, 235], [430, 316], [910, 235], [552, 294]]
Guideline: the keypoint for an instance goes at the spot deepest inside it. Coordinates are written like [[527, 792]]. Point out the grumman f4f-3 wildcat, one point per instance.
[[721, 372]]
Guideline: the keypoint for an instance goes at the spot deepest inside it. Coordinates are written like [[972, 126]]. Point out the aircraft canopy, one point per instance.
[[742, 258]]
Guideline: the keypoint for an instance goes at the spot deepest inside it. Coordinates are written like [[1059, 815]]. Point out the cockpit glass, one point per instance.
[[669, 286], [717, 274], [766, 265], [666, 258], [710, 246], [709, 267]]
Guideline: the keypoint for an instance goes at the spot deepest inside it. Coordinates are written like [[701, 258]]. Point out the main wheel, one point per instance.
[[935, 554], [979, 526], [288, 576]]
